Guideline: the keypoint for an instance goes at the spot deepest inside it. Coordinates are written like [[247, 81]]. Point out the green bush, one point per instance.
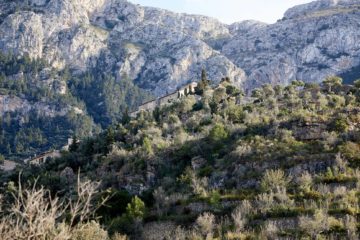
[[340, 125], [136, 208], [214, 198], [218, 133], [351, 151]]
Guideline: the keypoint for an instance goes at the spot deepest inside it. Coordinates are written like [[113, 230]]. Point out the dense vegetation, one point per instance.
[[283, 164], [105, 97], [58, 95]]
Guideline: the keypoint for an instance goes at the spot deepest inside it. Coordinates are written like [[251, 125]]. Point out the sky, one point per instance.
[[228, 11]]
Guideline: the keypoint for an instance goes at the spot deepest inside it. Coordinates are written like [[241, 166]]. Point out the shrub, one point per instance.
[[179, 234], [357, 83], [35, 213], [274, 179], [89, 231], [268, 90], [240, 215], [336, 101], [136, 208], [199, 185], [122, 224], [235, 114], [218, 133], [340, 125], [316, 224], [219, 94], [331, 82], [270, 230], [265, 202], [161, 201], [214, 198], [187, 104], [205, 224], [351, 151], [118, 236], [147, 145], [305, 182], [351, 227], [232, 90]]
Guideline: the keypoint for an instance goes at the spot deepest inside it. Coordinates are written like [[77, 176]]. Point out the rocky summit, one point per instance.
[[162, 51], [311, 42]]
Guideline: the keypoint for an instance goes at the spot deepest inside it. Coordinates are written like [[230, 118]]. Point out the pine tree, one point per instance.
[[331, 82], [126, 117], [204, 82], [74, 145]]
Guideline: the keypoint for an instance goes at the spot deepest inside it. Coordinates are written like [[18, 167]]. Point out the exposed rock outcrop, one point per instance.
[[162, 51], [312, 41]]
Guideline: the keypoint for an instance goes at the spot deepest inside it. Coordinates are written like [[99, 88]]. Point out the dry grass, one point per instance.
[[35, 215]]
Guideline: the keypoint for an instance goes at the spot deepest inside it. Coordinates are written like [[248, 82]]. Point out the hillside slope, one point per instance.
[[281, 165]]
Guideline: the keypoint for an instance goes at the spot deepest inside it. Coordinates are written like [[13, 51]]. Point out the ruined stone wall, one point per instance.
[[168, 99], [149, 106]]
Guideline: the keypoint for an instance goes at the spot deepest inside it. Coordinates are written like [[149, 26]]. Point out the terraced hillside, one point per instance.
[[284, 165]]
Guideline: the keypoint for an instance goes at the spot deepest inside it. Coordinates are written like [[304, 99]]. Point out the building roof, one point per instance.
[[41, 155]]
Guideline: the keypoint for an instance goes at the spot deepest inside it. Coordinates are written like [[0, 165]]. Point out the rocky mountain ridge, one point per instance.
[[311, 42], [161, 50]]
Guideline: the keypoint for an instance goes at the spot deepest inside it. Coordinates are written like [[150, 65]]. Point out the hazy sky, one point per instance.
[[228, 11]]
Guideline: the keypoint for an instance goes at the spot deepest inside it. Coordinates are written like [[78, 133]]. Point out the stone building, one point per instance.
[[168, 99], [43, 157], [165, 100], [188, 89], [148, 106]]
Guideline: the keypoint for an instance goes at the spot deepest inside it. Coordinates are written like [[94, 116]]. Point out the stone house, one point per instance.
[[188, 89], [165, 100], [43, 157]]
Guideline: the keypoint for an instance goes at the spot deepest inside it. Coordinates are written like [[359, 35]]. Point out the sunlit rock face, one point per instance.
[[311, 42], [161, 51], [158, 49]]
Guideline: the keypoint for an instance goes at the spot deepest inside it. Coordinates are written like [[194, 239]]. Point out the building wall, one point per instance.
[[134, 114], [149, 106], [44, 157], [190, 88], [166, 100]]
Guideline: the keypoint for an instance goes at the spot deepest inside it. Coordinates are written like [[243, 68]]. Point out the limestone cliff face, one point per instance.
[[162, 51], [158, 49], [14, 104], [311, 42]]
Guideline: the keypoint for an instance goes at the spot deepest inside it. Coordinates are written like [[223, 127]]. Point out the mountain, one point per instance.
[[161, 50], [106, 57], [157, 49], [311, 42]]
